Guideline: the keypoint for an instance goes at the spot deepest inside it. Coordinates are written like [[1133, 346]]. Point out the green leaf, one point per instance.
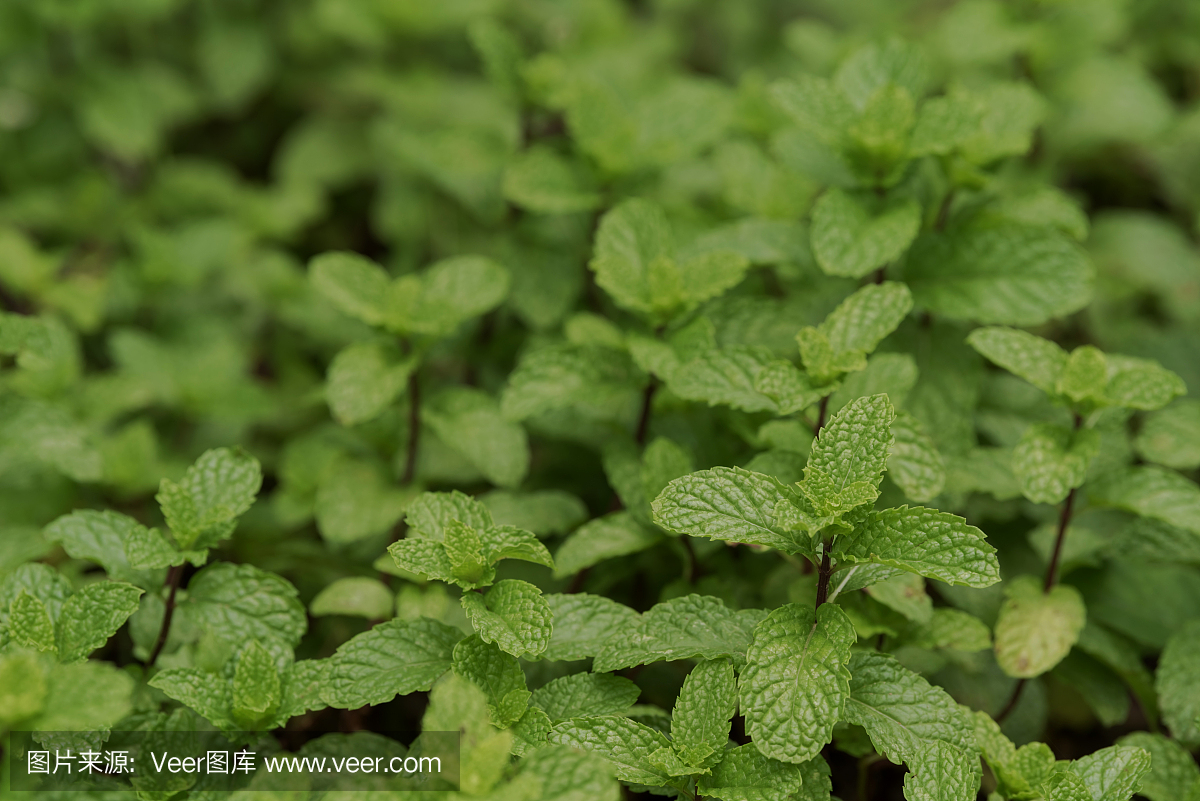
[[543, 512], [1178, 684], [469, 421], [22, 686], [861, 321], [256, 690], [118, 543], [541, 180], [358, 500], [584, 623], [29, 624], [1141, 383], [1039, 361], [1113, 773], [206, 693], [586, 695], [745, 774], [91, 616], [816, 105], [1173, 772], [626, 745], [359, 596], [728, 503], [925, 541], [85, 697], [701, 720], [953, 628], [39, 580], [744, 377], [446, 295], [905, 594], [790, 389], [354, 284], [202, 509], [530, 732], [597, 380], [943, 124], [1084, 375], [497, 674], [565, 774], [1051, 460], [1037, 629], [636, 262], [240, 602], [431, 512], [689, 627], [393, 658], [1001, 274], [513, 615], [1171, 436], [363, 380], [914, 462], [853, 446], [913, 722], [1153, 492], [613, 535], [795, 683], [509, 542], [851, 238]]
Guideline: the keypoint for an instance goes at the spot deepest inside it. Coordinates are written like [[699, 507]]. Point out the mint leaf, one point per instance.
[[795, 682], [121, 545], [393, 658], [701, 720], [202, 509], [914, 462], [497, 674], [22, 686], [29, 624], [689, 627], [363, 380], [597, 380], [446, 295], [816, 105], [729, 504], [38, 580], [745, 774], [469, 421], [583, 623], [431, 512], [354, 595], [861, 321], [1002, 274], [91, 616], [354, 284], [206, 693], [1039, 361], [626, 745], [1051, 460], [613, 535], [585, 695], [513, 615], [1178, 684], [853, 446], [1171, 436], [1084, 375], [742, 377], [565, 774], [1153, 492], [1035, 629], [541, 180], [851, 238], [256, 689], [925, 541], [356, 500], [1141, 383], [240, 602], [1113, 773], [1173, 772]]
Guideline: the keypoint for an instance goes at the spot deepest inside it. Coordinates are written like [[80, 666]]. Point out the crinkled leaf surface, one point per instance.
[[514, 615], [393, 658]]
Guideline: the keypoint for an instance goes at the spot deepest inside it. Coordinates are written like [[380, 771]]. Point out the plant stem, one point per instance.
[[880, 275], [1012, 701], [823, 574], [414, 427], [693, 566], [943, 215], [174, 576], [643, 424], [1064, 519], [821, 410]]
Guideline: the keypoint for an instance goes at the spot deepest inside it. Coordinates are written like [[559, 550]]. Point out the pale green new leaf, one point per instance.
[[363, 380], [861, 321], [1141, 383], [1178, 684], [393, 658], [1039, 361], [585, 695], [91, 616], [1051, 460], [514, 615], [1035, 630], [22, 686], [853, 446], [929, 542], [359, 596], [541, 180], [688, 627], [469, 421], [510, 542], [703, 712], [202, 509], [446, 295], [29, 624], [746, 774], [427, 558], [496, 673], [795, 682], [943, 123], [431, 512], [256, 689], [727, 503], [849, 238], [584, 623], [1085, 374], [788, 387], [626, 744], [1003, 274], [914, 462], [354, 284], [616, 534], [1171, 437], [1113, 773]]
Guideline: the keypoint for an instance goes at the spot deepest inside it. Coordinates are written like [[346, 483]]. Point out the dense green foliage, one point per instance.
[[726, 400]]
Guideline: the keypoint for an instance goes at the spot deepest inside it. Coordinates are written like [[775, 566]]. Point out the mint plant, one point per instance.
[[700, 400]]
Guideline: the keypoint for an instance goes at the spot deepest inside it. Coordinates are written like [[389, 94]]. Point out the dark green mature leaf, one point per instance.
[[584, 624], [239, 601], [795, 683], [745, 774], [626, 745], [393, 658], [1178, 684], [91, 616]]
